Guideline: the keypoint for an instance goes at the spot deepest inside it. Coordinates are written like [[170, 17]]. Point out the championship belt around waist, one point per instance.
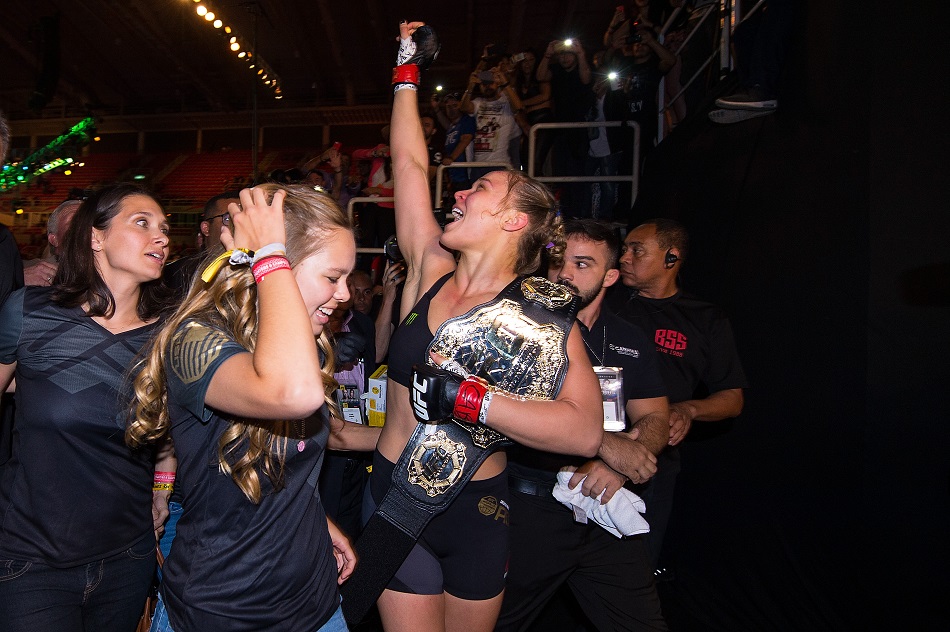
[[518, 343]]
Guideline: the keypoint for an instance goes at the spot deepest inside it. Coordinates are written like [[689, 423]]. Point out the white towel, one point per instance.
[[620, 516]]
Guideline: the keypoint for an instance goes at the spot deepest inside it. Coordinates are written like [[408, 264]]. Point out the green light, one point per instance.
[[51, 156]]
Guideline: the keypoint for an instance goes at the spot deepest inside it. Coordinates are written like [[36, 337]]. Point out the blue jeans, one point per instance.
[[103, 596], [171, 528], [160, 621]]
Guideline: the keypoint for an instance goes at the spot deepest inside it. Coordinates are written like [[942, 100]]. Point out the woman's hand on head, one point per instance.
[[257, 222]]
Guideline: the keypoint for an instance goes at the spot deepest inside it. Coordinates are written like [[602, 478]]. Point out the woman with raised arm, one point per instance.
[[236, 379], [512, 368], [78, 515]]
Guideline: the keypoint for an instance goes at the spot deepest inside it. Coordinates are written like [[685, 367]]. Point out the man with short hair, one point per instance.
[[363, 291], [179, 273], [611, 576], [41, 271], [494, 113], [694, 346]]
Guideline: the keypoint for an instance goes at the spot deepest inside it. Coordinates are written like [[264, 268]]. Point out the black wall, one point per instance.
[[823, 231]]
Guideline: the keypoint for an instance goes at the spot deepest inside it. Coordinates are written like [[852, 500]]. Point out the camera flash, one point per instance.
[[568, 42], [612, 76], [438, 88]]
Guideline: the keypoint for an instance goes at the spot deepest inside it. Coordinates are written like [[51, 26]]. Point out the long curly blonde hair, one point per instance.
[[229, 304]]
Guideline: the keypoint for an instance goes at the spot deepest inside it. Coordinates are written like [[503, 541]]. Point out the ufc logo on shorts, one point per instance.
[[418, 403]]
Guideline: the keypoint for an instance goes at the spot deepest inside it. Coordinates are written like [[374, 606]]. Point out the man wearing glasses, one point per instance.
[[178, 273]]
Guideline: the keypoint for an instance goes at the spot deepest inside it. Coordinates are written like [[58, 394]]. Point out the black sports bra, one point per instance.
[[412, 337]]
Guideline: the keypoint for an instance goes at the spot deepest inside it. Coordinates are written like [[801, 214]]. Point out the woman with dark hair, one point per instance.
[[236, 379], [511, 366], [78, 515]]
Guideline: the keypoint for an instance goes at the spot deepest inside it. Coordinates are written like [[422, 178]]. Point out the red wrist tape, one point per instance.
[[468, 402], [267, 265], [407, 73]]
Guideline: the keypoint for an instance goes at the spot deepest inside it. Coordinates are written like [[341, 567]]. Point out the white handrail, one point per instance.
[[366, 200], [634, 178]]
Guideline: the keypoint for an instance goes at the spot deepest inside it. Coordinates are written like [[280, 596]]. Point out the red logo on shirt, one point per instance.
[[670, 341]]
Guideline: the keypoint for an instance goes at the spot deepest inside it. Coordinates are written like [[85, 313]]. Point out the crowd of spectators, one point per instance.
[[560, 81]]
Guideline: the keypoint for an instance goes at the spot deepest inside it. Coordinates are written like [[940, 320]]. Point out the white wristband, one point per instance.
[[483, 412], [267, 251]]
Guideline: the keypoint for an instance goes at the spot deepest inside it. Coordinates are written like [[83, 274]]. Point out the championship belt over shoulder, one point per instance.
[[517, 342]]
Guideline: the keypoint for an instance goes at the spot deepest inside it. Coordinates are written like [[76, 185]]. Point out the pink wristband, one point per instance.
[[164, 477], [267, 265]]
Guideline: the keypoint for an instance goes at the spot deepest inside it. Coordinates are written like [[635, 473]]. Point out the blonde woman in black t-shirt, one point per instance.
[[236, 380]]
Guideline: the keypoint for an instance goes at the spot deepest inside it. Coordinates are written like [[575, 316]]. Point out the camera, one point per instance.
[[391, 249], [635, 36]]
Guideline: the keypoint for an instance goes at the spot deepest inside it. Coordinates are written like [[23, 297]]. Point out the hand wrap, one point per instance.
[[416, 53], [438, 396]]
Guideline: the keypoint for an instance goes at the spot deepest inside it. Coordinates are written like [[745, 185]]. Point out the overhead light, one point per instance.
[[218, 23], [96, 138], [232, 40], [242, 54], [19, 211], [68, 172], [235, 47], [202, 9], [227, 29], [209, 16]]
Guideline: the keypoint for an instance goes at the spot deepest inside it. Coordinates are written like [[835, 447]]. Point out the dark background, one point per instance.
[[823, 231]]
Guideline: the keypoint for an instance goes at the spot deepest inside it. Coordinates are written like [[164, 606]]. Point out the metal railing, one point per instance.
[[366, 200], [730, 10], [661, 94], [633, 178]]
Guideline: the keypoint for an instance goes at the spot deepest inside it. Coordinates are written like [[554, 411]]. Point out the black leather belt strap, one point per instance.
[[404, 513], [526, 486]]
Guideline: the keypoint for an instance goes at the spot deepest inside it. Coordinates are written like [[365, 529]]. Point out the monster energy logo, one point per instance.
[[411, 317]]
